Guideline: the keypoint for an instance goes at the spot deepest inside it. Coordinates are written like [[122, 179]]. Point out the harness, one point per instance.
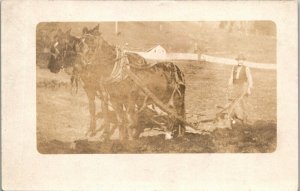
[[121, 61], [118, 74], [86, 60]]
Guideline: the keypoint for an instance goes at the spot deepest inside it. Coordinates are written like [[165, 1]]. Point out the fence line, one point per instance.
[[203, 57], [228, 61]]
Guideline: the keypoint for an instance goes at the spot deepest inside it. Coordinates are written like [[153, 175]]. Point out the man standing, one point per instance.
[[239, 85], [199, 51]]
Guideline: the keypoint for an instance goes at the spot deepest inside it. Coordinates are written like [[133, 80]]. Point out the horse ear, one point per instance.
[[95, 31], [96, 28], [85, 30]]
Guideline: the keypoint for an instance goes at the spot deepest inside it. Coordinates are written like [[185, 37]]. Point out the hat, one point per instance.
[[240, 57]]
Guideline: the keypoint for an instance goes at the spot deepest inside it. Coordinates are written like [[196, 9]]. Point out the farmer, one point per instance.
[[239, 86], [199, 51]]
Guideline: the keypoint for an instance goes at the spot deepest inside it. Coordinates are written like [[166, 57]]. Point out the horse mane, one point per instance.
[[106, 52]]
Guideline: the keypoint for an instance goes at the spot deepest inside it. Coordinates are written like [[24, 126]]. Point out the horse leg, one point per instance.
[[182, 110], [144, 104], [112, 122], [76, 82], [132, 120], [92, 109], [138, 131], [72, 84], [179, 126], [139, 122], [120, 121], [169, 128], [105, 113], [129, 126], [103, 95]]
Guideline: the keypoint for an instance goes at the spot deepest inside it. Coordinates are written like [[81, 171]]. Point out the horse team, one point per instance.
[[141, 95]]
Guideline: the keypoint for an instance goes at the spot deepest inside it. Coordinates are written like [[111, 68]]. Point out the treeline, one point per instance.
[[267, 28]]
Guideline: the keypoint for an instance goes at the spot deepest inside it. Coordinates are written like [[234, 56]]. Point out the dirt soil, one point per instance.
[[62, 118], [252, 139]]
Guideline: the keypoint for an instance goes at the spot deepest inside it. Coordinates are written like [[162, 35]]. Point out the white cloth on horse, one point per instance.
[[118, 73]]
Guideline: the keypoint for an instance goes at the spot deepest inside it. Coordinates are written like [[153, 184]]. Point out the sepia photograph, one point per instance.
[[156, 87], [149, 95]]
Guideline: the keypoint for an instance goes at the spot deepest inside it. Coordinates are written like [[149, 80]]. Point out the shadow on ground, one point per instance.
[[257, 138]]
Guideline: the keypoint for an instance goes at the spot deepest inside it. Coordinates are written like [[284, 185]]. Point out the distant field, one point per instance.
[[63, 118]]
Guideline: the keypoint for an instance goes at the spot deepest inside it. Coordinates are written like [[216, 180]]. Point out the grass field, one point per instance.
[[63, 118]]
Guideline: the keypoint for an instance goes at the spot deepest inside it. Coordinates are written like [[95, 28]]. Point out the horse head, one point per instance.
[[63, 51], [93, 45], [68, 52], [95, 52]]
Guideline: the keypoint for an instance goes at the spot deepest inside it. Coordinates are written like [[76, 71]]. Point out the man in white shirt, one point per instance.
[[239, 85]]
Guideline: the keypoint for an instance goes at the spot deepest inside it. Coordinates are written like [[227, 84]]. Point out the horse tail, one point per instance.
[[182, 88]]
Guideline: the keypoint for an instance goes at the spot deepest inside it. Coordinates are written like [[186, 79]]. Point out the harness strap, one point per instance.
[[118, 73]]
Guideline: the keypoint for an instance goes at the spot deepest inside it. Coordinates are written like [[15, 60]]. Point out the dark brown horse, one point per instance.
[[107, 71], [64, 55]]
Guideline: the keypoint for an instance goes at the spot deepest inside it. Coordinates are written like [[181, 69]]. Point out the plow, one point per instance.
[[219, 117]]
